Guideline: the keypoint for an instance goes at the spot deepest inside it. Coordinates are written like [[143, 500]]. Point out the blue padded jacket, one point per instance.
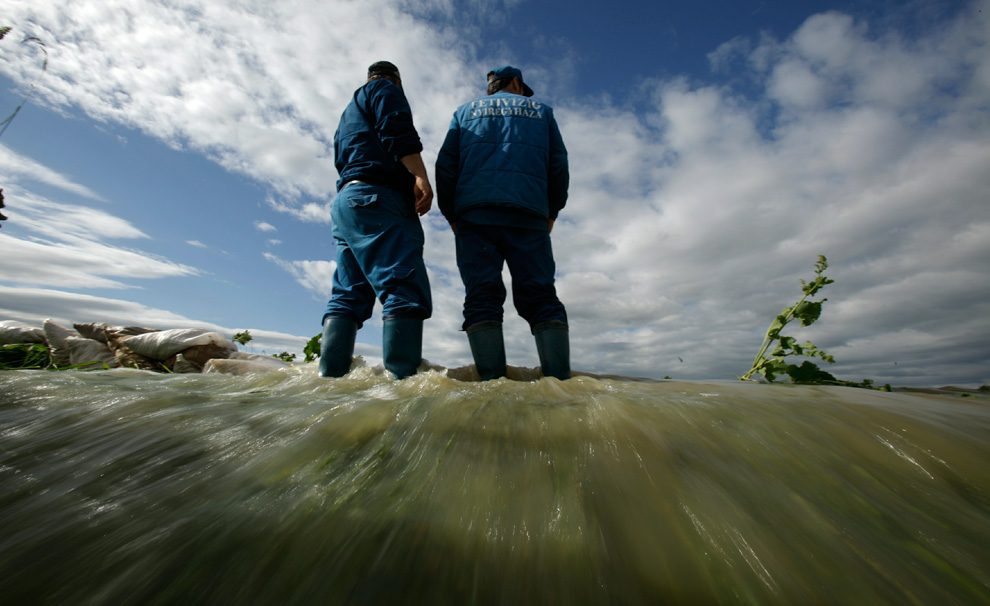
[[502, 152], [375, 132]]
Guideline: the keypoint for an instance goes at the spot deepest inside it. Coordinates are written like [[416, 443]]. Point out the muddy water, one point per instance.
[[128, 487]]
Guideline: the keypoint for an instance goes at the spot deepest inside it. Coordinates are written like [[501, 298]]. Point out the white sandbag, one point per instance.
[[12, 331], [199, 355], [69, 348], [164, 344], [57, 337], [184, 366], [90, 352], [100, 330], [243, 363]]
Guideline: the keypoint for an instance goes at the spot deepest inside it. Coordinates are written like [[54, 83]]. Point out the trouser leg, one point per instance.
[[480, 265], [351, 294], [529, 255], [382, 242]]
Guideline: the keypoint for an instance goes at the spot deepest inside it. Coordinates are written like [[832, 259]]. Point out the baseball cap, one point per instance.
[[383, 68], [507, 71]]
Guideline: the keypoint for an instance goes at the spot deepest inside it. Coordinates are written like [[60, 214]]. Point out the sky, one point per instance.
[[173, 167]]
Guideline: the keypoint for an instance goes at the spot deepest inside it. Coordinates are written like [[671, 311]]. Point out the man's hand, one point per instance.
[[422, 191], [424, 195], [550, 224]]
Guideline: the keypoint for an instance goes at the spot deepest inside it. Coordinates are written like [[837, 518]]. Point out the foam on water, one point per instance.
[[282, 487]]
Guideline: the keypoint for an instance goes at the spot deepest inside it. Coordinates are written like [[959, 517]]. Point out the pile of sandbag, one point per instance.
[[100, 345]]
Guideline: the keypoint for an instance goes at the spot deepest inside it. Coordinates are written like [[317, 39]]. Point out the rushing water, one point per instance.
[[124, 487]]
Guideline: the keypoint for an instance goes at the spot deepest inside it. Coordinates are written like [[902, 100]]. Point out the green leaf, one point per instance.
[[25, 356], [312, 349], [808, 312], [808, 372]]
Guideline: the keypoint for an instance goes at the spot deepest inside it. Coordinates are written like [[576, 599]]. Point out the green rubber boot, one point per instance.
[[402, 346], [554, 348], [487, 349], [337, 346]]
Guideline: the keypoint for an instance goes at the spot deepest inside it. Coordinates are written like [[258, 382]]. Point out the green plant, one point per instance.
[[36, 356], [25, 356], [243, 337], [806, 312], [312, 349], [285, 356], [44, 67]]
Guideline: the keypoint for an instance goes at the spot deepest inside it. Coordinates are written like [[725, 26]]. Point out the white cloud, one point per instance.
[[15, 167], [679, 253], [689, 225], [259, 89], [67, 247], [262, 226], [314, 276]]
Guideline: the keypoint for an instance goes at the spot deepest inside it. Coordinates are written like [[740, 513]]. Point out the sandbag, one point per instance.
[[128, 358], [184, 366], [57, 337], [98, 330], [164, 344], [243, 363], [91, 353], [12, 332], [199, 355], [69, 348]]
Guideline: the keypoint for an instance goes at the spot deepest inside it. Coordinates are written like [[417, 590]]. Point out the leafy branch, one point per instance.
[[312, 349], [44, 67], [806, 312]]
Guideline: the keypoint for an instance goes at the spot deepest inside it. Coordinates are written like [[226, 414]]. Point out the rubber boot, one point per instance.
[[487, 349], [337, 346], [554, 348], [402, 346]]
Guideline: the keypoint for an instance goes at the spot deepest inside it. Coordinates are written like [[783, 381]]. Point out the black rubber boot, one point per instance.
[[488, 349], [554, 348], [402, 346], [337, 346]]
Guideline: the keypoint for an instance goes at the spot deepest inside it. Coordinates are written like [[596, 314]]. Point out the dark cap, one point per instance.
[[384, 68], [507, 71]]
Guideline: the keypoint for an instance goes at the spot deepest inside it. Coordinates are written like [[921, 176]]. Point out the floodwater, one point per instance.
[[126, 487]]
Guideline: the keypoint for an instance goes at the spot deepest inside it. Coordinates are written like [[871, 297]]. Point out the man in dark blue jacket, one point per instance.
[[502, 178], [383, 186]]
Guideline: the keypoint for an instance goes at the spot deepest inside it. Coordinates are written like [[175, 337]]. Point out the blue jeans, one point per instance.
[[379, 253], [481, 252]]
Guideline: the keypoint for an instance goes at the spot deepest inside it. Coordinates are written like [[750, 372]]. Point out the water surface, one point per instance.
[[281, 487]]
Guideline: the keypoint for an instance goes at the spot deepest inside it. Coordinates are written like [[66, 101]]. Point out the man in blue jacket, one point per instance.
[[502, 178], [383, 186]]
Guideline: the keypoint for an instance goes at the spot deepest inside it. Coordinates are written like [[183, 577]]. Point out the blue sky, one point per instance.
[[172, 169]]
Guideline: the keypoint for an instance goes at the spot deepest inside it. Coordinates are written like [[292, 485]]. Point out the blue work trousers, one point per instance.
[[379, 253], [481, 252]]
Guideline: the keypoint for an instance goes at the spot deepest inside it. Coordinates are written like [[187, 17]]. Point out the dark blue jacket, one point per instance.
[[503, 153], [375, 131]]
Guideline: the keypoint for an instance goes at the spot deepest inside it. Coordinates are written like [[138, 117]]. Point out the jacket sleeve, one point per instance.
[[558, 176], [448, 161], [389, 112]]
